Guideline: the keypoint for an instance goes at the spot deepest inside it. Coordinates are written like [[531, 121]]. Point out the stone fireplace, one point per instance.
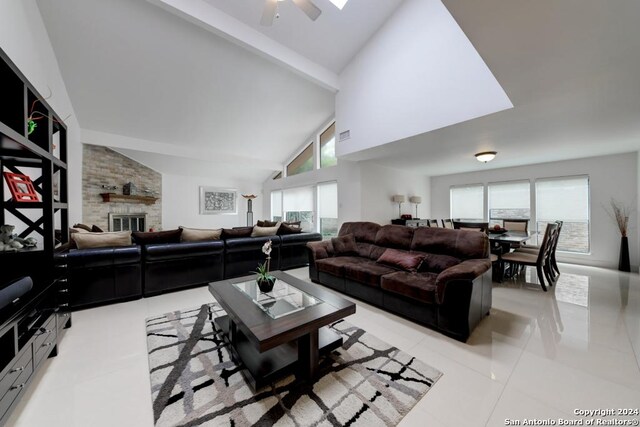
[[106, 171]]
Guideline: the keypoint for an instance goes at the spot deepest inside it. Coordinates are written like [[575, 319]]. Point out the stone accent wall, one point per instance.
[[103, 166]]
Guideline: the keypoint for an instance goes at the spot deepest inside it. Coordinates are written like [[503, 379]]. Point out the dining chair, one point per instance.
[[478, 226], [535, 249], [516, 225], [447, 223], [540, 260], [433, 223]]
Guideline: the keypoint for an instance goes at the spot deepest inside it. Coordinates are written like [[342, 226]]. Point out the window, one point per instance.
[[302, 163], [328, 147], [328, 208], [509, 200], [565, 199], [297, 205], [276, 206], [467, 202]]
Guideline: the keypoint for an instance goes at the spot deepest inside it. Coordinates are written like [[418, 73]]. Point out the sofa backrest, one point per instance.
[[395, 236], [362, 231], [464, 244]]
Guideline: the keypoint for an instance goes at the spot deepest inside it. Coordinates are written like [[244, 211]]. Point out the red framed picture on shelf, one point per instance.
[[21, 187]]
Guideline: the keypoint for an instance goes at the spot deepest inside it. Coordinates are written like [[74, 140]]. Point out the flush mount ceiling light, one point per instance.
[[486, 156]]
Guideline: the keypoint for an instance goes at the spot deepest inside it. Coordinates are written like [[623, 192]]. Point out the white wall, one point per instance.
[[24, 38], [418, 73], [380, 183], [181, 206], [609, 177]]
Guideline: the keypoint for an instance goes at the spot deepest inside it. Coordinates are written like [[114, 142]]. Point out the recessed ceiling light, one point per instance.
[[339, 3], [486, 156]]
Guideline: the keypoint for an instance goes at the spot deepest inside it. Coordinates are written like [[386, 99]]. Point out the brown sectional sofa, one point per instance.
[[450, 290]]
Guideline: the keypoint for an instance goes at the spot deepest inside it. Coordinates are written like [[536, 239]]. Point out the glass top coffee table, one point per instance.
[[280, 332], [283, 299]]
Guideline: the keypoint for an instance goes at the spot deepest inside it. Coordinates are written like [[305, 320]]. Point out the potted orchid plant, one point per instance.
[[265, 280]]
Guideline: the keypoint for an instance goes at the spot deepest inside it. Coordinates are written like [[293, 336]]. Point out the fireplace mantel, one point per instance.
[[121, 198]]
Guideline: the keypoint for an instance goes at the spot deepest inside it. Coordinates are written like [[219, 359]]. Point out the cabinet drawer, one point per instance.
[[20, 381], [63, 318], [44, 331], [44, 348], [21, 365]]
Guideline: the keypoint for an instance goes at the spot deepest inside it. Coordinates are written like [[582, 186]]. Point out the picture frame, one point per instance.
[[21, 187], [218, 201]]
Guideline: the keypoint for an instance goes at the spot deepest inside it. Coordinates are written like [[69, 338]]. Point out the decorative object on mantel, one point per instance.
[[218, 201], [109, 187], [417, 200], [11, 242], [620, 214], [121, 198], [399, 199], [21, 187], [129, 189], [265, 280], [249, 198]]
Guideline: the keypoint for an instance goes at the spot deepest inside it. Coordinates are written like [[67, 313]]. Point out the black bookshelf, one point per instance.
[[32, 325]]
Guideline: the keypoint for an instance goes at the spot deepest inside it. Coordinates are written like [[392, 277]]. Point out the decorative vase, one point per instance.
[[624, 264], [266, 285]]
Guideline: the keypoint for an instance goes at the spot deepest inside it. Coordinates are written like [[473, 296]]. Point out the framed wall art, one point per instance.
[[21, 187], [218, 201]]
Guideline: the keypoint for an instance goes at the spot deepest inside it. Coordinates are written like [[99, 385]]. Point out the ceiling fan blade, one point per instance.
[[309, 8], [269, 12]]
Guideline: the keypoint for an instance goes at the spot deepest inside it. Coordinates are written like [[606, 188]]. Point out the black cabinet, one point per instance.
[[33, 145]]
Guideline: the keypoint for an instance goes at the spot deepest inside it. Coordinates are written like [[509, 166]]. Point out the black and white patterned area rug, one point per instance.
[[194, 382]]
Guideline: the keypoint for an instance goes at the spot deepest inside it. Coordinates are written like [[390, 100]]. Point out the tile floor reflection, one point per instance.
[[538, 355]]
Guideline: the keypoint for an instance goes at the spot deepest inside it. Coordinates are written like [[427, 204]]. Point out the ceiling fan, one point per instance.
[[271, 10]]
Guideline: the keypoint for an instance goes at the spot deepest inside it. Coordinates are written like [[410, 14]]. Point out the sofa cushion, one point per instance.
[[367, 272], [199, 234], [344, 245], [286, 229], [436, 263], [394, 236], [169, 236], [462, 244], [403, 260], [417, 286], [229, 233], [96, 229], [265, 231], [82, 227], [102, 240], [335, 266], [164, 251], [362, 231]]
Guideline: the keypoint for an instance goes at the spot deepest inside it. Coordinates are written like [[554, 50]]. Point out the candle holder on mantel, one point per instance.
[[249, 198]]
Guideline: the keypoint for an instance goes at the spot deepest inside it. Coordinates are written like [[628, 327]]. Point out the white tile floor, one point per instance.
[[539, 355]]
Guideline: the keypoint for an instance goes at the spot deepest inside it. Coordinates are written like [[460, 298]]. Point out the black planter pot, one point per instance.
[[624, 264], [266, 285]]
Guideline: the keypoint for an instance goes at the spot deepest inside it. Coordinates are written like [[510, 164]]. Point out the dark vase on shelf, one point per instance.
[[266, 285], [624, 264]]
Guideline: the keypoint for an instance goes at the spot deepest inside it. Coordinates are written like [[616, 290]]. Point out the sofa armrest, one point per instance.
[[319, 250], [465, 271]]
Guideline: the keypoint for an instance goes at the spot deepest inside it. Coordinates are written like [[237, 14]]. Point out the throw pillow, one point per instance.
[[72, 230], [265, 231], [96, 229], [102, 240], [199, 234], [345, 245], [230, 233], [409, 261], [82, 227], [266, 223], [288, 229], [170, 236], [436, 263]]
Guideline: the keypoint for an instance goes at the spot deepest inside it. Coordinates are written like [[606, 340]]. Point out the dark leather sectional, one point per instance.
[[108, 275], [450, 291]]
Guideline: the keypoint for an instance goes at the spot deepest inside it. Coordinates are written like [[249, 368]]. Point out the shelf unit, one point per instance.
[[31, 326]]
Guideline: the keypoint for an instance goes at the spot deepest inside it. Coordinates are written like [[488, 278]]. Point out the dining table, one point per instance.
[[502, 243]]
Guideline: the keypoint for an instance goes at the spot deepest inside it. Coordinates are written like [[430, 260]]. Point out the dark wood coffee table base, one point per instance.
[[299, 356]]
